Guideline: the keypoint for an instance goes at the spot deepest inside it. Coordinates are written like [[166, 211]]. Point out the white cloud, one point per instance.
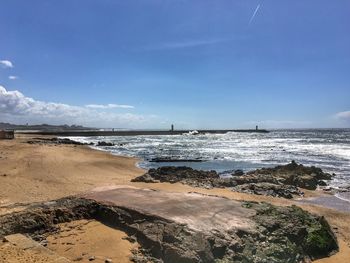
[[186, 44], [13, 77], [343, 115], [109, 106], [6, 64], [16, 107]]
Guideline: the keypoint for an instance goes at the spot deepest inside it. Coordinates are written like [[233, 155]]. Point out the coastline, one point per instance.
[[31, 173]]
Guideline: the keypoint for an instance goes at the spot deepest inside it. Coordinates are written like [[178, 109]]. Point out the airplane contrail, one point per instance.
[[254, 14]]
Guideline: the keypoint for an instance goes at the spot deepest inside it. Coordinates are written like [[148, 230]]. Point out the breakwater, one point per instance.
[[137, 132]]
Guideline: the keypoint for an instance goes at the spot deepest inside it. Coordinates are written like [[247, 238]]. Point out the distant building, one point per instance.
[[256, 127], [7, 134], [172, 127]]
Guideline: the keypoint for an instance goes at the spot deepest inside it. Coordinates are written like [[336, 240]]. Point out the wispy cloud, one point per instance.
[[6, 64], [16, 107], [13, 77], [186, 44], [343, 115], [109, 106], [254, 14]]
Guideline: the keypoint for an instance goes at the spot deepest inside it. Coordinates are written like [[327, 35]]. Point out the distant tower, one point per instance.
[[256, 127], [172, 127]]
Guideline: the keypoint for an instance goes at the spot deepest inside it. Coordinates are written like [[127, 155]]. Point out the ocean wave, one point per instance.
[[327, 149]]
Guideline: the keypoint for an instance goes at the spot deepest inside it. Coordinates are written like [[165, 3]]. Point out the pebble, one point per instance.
[[92, 258], [108, 260], [44, 243]]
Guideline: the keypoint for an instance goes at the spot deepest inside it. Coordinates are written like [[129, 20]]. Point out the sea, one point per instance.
[[328, 149]]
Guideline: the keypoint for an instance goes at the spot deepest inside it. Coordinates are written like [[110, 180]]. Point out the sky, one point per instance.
[[194, 63]]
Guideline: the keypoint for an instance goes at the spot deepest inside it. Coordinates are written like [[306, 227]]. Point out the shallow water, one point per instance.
[[328, 149]]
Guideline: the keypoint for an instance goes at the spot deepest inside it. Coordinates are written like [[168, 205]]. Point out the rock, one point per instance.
[[108, 260], [238, 173], [44, 243], [173, 160], [291, 174], [146, 178], [275, 234], [55, 141], [131, 239], [103, 143], [328, 189], [281, 181], [276, 190], [66, 141], [182, 174], [292, 224]]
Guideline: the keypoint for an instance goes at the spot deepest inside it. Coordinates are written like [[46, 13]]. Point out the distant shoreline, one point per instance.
[[136, 132]]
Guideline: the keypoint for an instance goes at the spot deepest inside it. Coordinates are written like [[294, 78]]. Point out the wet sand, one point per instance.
[[329, 201], [33, 172]]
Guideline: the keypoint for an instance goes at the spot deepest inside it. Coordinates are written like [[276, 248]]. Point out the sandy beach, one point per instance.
[[31, 173], [40, 172]]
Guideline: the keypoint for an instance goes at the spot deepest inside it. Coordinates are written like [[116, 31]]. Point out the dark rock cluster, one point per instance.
[[281, 181], [173, 174], [291, 174], [276, 190], [174, 160], [55, 141], [103, 143]]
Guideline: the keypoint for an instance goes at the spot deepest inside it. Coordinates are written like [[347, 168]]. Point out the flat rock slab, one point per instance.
[[185, 227], [26, 243], [199, 212]]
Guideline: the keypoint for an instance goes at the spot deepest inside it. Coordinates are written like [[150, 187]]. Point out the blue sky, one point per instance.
[[197, 64]]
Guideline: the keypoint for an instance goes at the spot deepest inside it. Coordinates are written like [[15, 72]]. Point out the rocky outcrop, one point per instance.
[[41, 217], [174, 160], [281, 181], [55, 141], [288, 226], [173, 174], [103, 143], [291, 174], [66, 141], [277, 234], [276, 190]]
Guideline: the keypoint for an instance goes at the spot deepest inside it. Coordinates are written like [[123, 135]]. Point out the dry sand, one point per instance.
[[32, 172], [104, 242], [11, 254]]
